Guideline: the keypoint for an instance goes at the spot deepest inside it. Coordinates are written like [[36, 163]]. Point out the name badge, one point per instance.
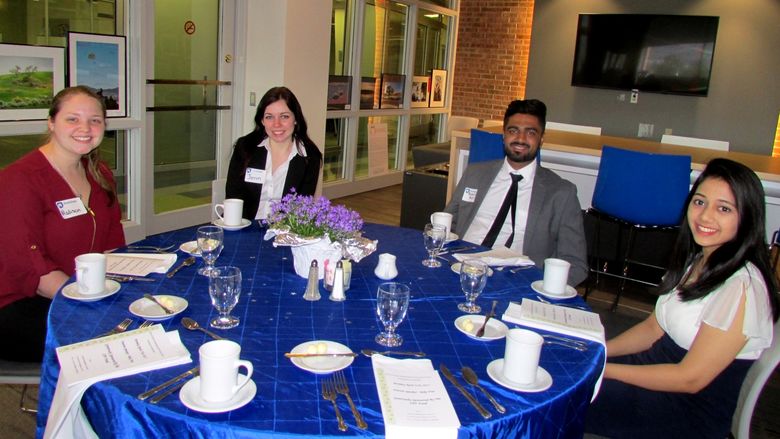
[[254, 175], [469, 195], [71, 207]]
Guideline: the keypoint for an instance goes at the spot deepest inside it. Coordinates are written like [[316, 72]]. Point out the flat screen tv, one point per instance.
[[651, 53]]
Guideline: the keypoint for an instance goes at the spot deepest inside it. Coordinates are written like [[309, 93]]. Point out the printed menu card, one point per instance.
[[413, 399], [139, 264]]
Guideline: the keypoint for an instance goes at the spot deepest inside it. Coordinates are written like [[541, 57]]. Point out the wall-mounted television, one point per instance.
[[651, 53]]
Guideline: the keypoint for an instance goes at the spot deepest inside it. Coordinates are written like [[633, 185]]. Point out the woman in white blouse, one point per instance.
[[679, 372]]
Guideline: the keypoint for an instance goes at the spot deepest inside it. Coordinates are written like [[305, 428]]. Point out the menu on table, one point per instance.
[[137, 264]]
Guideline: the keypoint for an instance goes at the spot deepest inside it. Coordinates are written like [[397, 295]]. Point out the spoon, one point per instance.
[[185, 263], [370, 352], [471, 377], [154, 299], [193, 325], [481, 331]]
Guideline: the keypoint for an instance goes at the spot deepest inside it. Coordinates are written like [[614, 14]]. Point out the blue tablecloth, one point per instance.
[[275, 318]]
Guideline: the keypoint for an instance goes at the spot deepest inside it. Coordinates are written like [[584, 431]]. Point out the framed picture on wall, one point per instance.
[[369, 93], [339, 92], [98, 62], [392, 91], [420, 87], [30, 76], [438, 87]]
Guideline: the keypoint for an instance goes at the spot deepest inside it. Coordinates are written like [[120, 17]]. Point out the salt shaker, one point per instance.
[[386, 269], [313, 285], [337, 295]]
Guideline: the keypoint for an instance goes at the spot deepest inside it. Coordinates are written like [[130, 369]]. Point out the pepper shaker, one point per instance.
[[313, 286]]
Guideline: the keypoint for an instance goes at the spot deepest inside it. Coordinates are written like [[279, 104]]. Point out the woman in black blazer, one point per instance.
[[293, 164]]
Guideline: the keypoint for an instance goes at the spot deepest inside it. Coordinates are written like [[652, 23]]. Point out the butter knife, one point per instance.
[[447, 374], [173, 389], [304, 355], [150, 392]]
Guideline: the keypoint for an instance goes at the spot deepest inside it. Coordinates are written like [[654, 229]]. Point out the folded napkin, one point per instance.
[[497, 257], [139, 264], [83, 364]]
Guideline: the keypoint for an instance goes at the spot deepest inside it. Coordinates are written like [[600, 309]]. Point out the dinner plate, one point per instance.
[[456, 268], [189, 395], [495, 370], [321, 365], [191, 248], [538, 287], [495, 329], [151, 311], [244, 223], [451, 237], [71, 291]]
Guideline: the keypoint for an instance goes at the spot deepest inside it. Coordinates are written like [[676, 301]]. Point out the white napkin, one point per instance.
[[139, 264], [83, 364], [497, 257]]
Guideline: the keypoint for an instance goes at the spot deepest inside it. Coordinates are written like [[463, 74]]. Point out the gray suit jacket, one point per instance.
[[554, 228]]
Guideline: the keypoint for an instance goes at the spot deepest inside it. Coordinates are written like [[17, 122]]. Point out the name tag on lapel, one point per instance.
[[254, 175], [71, 207], [469, 195]]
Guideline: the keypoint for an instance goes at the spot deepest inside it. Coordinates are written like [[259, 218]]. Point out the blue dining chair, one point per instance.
[[637, 192], [485, 146]]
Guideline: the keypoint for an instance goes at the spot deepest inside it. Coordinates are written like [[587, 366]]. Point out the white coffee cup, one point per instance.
[[219, 365], [232, 208], [556, 275], [443, 218], [91, 273], [521, 356]]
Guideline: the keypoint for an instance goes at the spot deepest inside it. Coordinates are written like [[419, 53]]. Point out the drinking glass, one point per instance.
[[210, 243], [224, 289], [434, 236], [392, 302], [473, 277]]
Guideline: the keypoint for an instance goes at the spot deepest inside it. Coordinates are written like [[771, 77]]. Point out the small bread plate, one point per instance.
[[151, 311], [191, 248], [189, 395], [543, 382], [71, 291], [244, 223], [469, 324], [451, 237], [456, 268], [538, 287], [321, 365]]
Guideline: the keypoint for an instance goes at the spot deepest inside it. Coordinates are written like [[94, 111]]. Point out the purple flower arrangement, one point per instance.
[[310, 217]]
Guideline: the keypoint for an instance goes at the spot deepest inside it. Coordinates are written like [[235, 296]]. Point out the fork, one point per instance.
[[329, 393], [145, 324], [151, 248], [343, 389], [121, 327]]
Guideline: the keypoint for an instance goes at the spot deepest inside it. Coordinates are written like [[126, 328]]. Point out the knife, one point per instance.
[[165, 394], [447, 374], [300, 355], [194, 371], [121, 278]]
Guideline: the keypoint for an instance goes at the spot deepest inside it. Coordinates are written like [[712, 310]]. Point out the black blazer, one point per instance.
[[302, 174]]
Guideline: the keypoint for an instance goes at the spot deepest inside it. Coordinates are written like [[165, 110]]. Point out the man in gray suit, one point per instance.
[[516, 203]]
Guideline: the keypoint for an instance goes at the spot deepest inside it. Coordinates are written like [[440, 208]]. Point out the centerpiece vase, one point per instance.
[[324, 251]]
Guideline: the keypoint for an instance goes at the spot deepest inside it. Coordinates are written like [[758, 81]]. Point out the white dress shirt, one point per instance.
[[273, 186], [488, 210]]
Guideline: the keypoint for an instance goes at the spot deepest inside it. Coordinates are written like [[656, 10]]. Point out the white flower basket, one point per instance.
[[322, 250]]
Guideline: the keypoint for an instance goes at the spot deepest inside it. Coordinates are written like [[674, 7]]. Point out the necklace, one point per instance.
[[79, 195]]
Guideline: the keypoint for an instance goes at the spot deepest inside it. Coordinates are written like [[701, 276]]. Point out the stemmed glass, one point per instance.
[[224, 289], [473, 277], [434, 236], [210, 243], [392, 302]]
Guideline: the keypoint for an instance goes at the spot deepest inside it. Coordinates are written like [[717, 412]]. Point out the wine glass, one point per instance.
[[392, 302], [473, 277], [210, 244], [224, 289], [434, 236]]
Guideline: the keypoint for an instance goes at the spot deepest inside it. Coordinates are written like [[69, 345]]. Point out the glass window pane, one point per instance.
[[431, 42], [423, 130], [362, 166], [335, 150], [340, 37], [384, 28], [445, 3]]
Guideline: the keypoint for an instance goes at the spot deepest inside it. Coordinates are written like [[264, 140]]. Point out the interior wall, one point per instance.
[[744, 98]]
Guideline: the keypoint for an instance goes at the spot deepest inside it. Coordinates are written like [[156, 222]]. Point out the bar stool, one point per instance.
[[636, 192], [13, 372]]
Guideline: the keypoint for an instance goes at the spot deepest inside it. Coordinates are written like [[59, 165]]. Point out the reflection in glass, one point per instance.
[[334, 154], [340, 37], [423, 130], [362, 165], [384, 28], [431, 42]]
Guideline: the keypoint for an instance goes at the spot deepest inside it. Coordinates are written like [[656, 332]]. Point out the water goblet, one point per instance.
[[392, 302], [434, 236], [473, 276], [224, 289], [210, 244]]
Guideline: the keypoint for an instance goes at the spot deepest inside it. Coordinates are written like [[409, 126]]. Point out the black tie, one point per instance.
[[509, 201]]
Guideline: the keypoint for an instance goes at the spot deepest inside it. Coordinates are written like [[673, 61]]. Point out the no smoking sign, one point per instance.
[[189, 27]]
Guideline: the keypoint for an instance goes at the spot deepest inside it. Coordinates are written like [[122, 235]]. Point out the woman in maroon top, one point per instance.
[[59, 201]]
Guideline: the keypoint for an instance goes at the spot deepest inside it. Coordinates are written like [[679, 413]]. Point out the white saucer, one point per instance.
[[537, 286], [321, 365], [456, 269], [495, 329], [244, 223], [191, 248], [71, 291], [151, 311], [543, 378], [190, 397], [451, 237]]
